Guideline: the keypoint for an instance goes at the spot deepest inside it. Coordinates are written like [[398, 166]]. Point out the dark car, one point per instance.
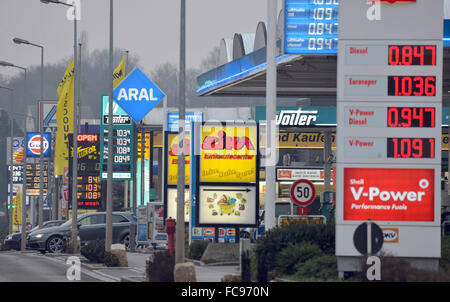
[[13, 241], [91, 226], [445, 221]]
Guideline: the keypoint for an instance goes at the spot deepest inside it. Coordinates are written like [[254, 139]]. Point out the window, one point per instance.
[[118, 219], [93, 219]]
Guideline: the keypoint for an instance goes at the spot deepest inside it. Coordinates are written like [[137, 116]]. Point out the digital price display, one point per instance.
[[122, 153], [417, 55], [310, 26], [412, 86], [411, 117], [406, 147], [89, 188]]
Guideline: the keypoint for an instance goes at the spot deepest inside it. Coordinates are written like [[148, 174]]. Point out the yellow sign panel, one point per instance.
[[311, 219], [172, 166], [445, 142], [146, 146], [17, 212], [228, 154], [301, 140]]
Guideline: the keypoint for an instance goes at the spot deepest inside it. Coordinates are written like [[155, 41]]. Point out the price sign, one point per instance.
[[32, 175], [122, 148], [303, 192], [310, 26], [89, 188]]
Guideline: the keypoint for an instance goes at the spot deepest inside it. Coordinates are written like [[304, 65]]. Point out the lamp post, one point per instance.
[[109, 184], [41, 126], [11, 164], [74, 232], [24, 190]]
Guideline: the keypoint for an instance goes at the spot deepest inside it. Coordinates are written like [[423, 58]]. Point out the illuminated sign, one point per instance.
[[122, 144], [34, 144], [172, 203], [407, 55], [89, 186], [297, 117], [408, 195], [228, 153], [172, 159], [310, 27], [227, 205]]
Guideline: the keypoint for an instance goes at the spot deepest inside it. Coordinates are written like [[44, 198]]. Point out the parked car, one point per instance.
[[445, 222], [91, 226], [13, 241]]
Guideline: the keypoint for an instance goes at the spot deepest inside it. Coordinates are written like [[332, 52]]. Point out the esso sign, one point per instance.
[[303, 192]]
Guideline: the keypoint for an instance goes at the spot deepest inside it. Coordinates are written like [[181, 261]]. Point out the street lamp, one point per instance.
[[74, 232], [24, 190], [41, 126]]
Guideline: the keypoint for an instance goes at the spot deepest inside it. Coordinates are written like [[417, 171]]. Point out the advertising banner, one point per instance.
[[17, 149], [172, 203], [228, 154], [389, 194], [64, 119], [172, 158], [225, 205]]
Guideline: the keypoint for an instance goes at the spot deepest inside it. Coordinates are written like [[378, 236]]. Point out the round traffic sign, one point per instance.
[[303, 192], [360, 238]]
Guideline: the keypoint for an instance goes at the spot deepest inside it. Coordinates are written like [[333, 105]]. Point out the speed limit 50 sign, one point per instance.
[[303, 192]]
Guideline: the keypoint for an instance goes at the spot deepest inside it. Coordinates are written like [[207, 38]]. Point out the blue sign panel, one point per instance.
[[310, 26], [172, 120], [137, 95], [34, 144]]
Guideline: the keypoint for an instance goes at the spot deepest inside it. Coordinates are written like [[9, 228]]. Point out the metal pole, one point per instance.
[[271, 99], [108, 234], [142, 180], [24, 186], [179, 241], [41, 155], [74, 232]]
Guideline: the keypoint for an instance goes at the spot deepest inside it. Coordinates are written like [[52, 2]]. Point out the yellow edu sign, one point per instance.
[[229, 153]]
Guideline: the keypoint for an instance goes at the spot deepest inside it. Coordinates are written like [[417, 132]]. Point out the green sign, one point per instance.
[[122, 144]]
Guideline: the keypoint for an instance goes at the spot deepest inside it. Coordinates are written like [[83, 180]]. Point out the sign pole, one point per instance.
[[108, 233], [179, 248], [271, 100]]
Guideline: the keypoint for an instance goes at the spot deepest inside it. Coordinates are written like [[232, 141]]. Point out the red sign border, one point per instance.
[[313, 195]]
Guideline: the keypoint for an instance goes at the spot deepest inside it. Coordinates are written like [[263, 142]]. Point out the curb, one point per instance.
[[131, 279]]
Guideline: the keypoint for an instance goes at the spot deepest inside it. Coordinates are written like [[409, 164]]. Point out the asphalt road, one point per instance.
[[30, 267]]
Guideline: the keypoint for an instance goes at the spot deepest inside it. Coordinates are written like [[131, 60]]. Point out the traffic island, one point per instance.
[[221, 253]]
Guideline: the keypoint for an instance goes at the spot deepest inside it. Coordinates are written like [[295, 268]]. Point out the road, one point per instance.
[[30, 267]]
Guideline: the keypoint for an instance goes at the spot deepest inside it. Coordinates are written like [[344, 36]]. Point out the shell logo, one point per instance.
[[34, 144]]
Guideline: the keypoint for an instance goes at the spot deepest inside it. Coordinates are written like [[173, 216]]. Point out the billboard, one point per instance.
[[228, 153], [389, 194]]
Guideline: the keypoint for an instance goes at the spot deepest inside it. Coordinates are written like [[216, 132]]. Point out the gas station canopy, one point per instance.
[[297, 76]]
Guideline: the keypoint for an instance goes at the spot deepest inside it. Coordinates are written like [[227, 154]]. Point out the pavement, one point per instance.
[[135, 272]]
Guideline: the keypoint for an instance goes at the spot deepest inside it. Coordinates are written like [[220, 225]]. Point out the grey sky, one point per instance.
[[147, 28]]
